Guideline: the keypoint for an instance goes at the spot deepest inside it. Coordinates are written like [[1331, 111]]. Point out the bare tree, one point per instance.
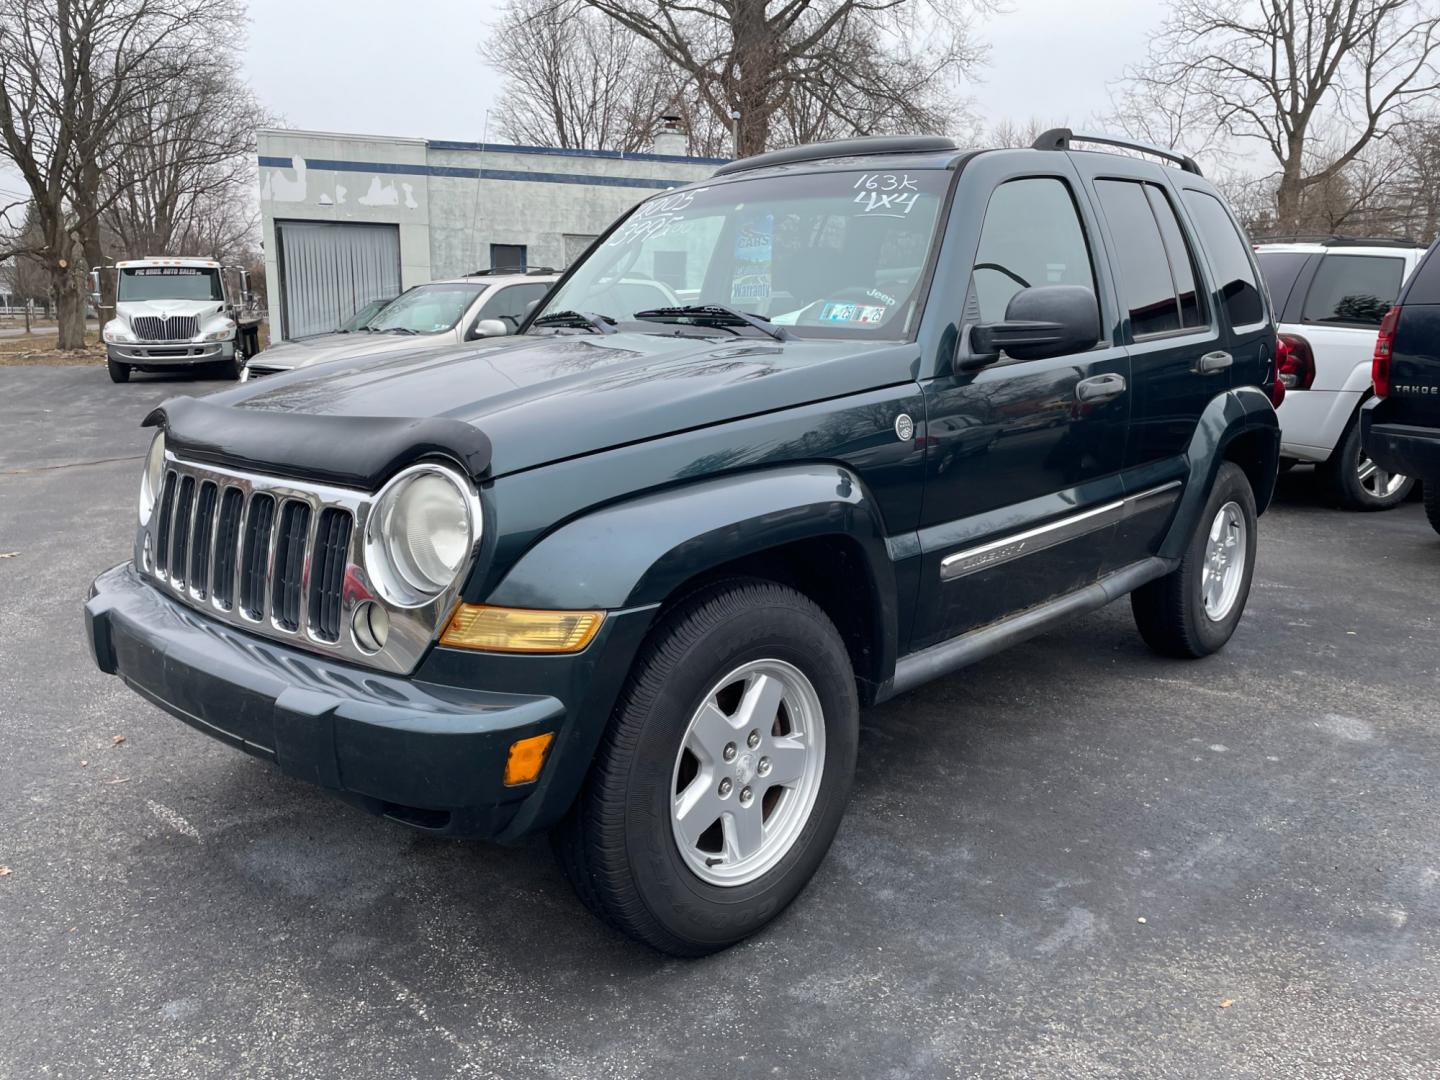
[[183, 170], [69, 71], [575, 79], [811, 66], [1292, 75]]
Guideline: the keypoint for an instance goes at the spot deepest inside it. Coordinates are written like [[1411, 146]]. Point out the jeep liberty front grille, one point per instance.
[[280, 558]]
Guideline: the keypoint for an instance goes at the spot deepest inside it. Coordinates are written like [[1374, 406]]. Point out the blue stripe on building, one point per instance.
[[460, 172]]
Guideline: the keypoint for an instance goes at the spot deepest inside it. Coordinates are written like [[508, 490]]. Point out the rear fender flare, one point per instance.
[[1245, 412]]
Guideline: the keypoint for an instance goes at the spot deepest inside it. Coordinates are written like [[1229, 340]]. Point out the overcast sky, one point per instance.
[[411, 68]]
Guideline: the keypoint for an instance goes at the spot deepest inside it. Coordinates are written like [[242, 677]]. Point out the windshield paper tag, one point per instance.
[[853, 313], [751, 282]]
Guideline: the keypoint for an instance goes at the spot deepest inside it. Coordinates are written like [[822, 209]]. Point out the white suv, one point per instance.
[[1329, 298], [484, 304]]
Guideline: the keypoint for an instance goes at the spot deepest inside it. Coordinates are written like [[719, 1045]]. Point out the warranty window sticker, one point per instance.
[[754, 243]]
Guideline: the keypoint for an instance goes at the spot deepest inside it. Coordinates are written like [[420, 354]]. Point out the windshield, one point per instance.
[[832, 254], [427, 309], [364, 316], [169, 283]]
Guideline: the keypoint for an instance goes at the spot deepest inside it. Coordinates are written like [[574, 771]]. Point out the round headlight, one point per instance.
[[419, 535], [151, 478]]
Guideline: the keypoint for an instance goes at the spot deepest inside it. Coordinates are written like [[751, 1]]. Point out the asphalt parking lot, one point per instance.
[[1073, 860]]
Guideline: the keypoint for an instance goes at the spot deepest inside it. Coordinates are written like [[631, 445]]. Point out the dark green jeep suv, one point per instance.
[[784, 443]]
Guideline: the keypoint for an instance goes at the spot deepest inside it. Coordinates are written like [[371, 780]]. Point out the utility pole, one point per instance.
[[734, 131]]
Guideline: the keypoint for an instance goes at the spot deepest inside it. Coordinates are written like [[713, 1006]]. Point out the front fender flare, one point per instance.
[[637, 552]]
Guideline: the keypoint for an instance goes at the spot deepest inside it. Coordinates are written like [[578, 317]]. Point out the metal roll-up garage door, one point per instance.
[[330, 270]]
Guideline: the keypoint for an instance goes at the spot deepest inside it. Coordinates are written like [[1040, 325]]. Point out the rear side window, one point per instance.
[[1280, 269], [1229, 258], [1425, 281], [1031, 236], [1156, 270], [1353, 290]]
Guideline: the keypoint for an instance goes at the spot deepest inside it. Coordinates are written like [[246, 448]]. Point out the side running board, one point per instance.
[[920, 667]]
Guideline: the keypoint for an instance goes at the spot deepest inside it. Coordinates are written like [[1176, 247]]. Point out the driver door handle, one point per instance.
[[1100, 387], [1212, 362]]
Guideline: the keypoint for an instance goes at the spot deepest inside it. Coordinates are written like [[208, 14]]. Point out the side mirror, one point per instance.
[[1040, 322], [95, 300], [489, 328]]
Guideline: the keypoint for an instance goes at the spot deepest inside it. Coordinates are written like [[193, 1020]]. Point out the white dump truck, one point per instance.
[[180, 312]]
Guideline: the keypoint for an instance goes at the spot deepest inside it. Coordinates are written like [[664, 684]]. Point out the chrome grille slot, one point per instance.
[[288, 579], [202, 533], [162, 530], [184, 507], [165, 328], [255, 558], [227, 546], [327, 573]]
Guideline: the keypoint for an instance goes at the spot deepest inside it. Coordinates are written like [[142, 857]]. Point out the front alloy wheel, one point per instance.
[[748, 772], [723, 774]]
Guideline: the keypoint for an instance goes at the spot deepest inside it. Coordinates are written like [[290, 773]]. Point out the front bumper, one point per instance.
[[166, 355], [426, 754], [1402, 448]]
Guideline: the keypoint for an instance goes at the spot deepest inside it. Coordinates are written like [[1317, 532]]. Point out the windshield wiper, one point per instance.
[[603, 324], [718, 315]]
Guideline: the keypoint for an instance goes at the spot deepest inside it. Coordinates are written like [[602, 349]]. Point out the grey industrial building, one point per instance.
[[351, 218]]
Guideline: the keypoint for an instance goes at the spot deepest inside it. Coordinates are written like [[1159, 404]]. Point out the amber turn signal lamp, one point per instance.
[[527, 756], [520, 630]]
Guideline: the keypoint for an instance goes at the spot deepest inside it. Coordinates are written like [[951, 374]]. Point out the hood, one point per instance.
[[542, 399], [129, 309], [323, 348]]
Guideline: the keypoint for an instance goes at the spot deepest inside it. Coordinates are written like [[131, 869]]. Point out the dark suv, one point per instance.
[[632, 572], [1401, 424]]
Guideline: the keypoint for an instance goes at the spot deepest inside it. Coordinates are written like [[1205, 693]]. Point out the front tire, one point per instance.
[[724, 772], [119, 373], [1193, 610], [1357, 480], [236, 369]]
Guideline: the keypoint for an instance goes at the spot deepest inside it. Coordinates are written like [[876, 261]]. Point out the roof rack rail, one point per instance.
[[861, 147], [513, 270], [1061, 138], [1333, 240]]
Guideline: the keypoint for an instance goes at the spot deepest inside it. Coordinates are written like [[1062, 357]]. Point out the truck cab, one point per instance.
[[178, 313]]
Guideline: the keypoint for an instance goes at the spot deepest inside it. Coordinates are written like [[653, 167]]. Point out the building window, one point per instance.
[[507, 256]]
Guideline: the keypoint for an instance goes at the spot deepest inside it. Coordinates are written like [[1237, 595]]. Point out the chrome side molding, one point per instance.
[[1052, 534]]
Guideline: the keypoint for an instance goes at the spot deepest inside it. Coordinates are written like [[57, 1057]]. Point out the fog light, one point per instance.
[[370, 626], [527, 756], [497, 629]]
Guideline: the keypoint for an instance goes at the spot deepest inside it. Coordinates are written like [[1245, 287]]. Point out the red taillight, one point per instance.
[[1384, 342], [1294, 362]]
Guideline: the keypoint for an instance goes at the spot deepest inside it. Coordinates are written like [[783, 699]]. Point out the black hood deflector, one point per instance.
[[348, 451]]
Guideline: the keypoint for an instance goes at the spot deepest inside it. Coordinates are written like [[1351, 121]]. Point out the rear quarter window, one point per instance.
[[1353, 290], [1229, 258], [1281, 269], [1425, 282]]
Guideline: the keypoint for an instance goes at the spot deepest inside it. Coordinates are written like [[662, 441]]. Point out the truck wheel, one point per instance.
[[118, 372], [1432, 501], [1193, 610], [236, 369], [1358, 482], [722, 777]]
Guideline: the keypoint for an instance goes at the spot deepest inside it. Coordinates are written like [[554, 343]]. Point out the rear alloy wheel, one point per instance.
[[722, 777], [118, 372], [1193, 611], [1359, 481]]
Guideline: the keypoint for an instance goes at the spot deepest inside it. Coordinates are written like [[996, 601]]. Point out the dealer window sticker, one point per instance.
[[754, 242], [864, 314]]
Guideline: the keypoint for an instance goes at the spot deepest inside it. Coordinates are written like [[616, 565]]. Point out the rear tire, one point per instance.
[[1193, 610], [1432, 501], [118, 372], [1358, 482], [686, 846]]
